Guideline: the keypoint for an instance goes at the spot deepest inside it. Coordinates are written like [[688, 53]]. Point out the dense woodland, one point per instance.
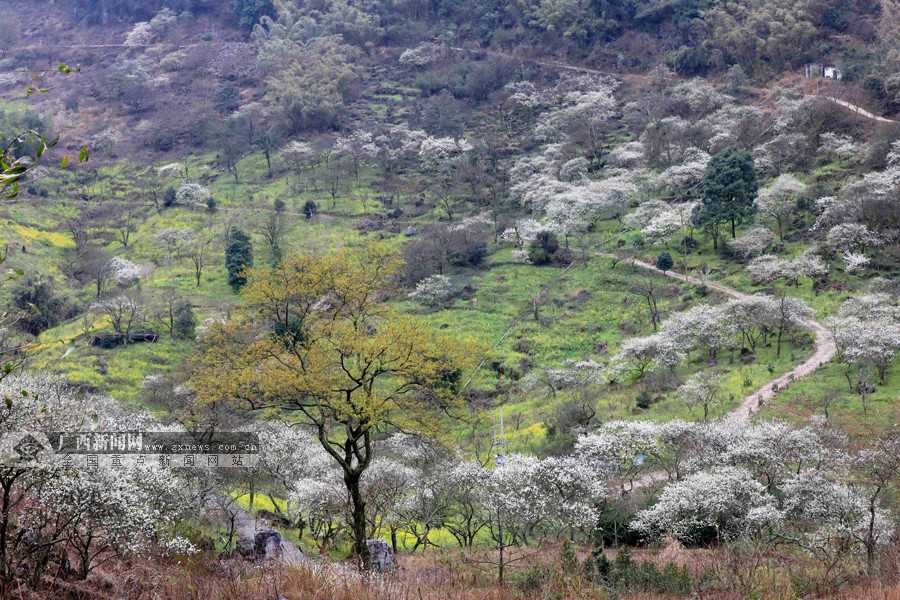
[[555, 298]]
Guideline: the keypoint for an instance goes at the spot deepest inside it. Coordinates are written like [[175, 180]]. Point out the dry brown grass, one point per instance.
[[871, 591], [444, 575], [420, 578]]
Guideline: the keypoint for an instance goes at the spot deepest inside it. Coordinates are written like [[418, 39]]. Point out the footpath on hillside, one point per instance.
[[824, 342]]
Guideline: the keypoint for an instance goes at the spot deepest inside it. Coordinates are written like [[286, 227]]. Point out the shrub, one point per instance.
[[37, 191], [543, 249], [567, 421], [431, 83], [162, 139], [664, 261], [42, 308], [228, 99], [469, 254], [470, 80], [289, 333], [629, 575], [533, 580], [483, 78], [690, 61], [442, 246], [690, 243], [644, 400], [247, 13], [836, 18], [170, 197]]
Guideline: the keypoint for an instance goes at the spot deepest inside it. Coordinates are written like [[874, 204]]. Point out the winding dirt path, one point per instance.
[[824, 342], [562, 66], [859, 110]]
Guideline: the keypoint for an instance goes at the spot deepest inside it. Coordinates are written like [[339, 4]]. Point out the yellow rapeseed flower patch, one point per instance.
[[52, 238]]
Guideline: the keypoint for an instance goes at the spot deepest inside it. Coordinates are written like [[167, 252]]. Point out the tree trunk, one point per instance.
[[360, 548], [870, 534], [781, 325], [231, 531], [4, 524]]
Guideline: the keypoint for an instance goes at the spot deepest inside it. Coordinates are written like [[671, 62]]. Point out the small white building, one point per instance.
[[832, 73], [816, 71]]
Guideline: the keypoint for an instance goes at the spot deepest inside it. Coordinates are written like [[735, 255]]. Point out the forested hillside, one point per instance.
[[530, 298]]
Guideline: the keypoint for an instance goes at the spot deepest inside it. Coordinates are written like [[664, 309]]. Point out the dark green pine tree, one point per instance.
[[238, 257], [729, 188], [185, 323], [664, 261]]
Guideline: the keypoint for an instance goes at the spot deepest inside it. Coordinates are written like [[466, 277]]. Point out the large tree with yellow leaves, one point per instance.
[[318, 345]]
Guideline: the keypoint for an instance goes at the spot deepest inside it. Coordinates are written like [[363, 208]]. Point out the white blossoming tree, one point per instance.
[[701, 390], [420, 56], [752, 242], [511, 501], [867, 335], [112, 513], [683, 181], [834, 146], [433, 291], [586, 103], [464, 482], [98, 514], [323, 505], [768, 268], [715, 505], [440, 158], [779, 201], [636, 451], [832, 521], [189, 194], [643, 354], [391, 489], [851, 237], [855, 261], [124, 272], [358, 147]]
